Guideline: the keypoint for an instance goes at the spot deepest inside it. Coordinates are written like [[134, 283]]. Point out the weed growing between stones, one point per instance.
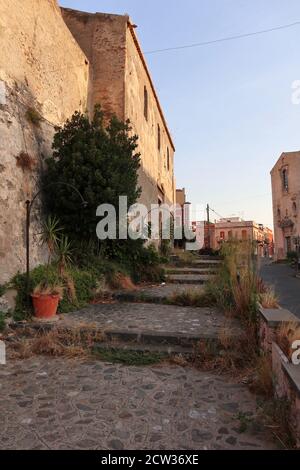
[[33, 116], [129, 358], [276, 413], [191, 299]]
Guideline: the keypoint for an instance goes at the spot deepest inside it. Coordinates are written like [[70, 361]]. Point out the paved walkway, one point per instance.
[[286, 285], [147, 318], [60, 404]]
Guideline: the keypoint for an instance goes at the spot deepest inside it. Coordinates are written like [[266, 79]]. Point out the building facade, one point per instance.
[[57, 62], [235, 228], [285, 177], [120, 81]]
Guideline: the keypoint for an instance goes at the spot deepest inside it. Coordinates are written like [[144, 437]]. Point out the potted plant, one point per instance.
[[46, 295], [45, 299]]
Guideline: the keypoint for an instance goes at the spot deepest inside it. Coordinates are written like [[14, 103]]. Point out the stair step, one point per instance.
[[188, 279], [167, 350], [158, 338], [190, 270]]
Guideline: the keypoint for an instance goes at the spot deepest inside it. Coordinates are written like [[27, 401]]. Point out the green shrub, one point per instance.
[[85, 283]]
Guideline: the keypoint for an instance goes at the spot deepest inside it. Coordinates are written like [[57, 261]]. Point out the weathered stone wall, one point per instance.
[[41, 67], [102, 39], [286, 203]]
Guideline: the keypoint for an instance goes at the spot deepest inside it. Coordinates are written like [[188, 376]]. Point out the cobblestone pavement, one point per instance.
[[61, 404], [140, 317], [286, 285]]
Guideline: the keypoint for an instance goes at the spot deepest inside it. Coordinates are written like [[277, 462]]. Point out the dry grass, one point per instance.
[[190, 298], [57, 342], [286, 335], [262, 382], [120, 281], [268, 299]]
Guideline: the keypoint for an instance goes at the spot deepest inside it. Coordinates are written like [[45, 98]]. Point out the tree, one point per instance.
[[101, 162]]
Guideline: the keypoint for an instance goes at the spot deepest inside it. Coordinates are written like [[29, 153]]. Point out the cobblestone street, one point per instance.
[[61, 404]]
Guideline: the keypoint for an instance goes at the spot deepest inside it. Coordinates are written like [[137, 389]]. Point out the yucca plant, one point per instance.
[[50, 236], [64, 253]]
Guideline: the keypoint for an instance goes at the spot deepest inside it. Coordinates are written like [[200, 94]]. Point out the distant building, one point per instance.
[[235, 228], [286, 203]]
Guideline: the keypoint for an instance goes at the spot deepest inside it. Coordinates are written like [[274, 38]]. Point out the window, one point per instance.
[[222, 235], [244, 235], [294, 208], [168, 159], [285, 180], [146, 103], [158, 137]]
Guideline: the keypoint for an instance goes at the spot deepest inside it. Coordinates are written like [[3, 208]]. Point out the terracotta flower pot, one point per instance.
[[45, 306]]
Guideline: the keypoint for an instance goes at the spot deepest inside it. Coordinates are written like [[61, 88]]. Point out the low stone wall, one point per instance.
[[286, 376]]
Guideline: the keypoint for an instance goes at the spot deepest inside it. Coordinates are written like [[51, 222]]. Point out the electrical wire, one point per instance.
[[225, 39]]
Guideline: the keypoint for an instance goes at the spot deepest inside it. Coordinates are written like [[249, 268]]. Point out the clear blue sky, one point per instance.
[[228, 105]]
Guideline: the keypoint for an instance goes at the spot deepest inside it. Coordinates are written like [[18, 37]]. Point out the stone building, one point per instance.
[[54, 62], [286, 203], [234, 228], [121, 82]]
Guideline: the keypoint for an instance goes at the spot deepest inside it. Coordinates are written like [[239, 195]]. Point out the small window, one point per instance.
[[146, 103], [294, 208], [285, 180], [222, 235], [168, 159], [158, 137]]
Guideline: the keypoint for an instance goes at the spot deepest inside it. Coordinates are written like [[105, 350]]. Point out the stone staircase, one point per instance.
[[147, 319]]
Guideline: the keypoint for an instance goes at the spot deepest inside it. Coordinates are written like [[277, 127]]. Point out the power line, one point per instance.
[[229, 38]]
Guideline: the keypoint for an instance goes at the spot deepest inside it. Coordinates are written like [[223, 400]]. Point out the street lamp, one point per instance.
[[29, 205]]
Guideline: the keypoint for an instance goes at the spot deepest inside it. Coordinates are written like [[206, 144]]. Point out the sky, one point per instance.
[[228, 105]]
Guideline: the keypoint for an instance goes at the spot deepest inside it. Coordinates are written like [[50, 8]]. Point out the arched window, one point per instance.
[[146, 103]]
